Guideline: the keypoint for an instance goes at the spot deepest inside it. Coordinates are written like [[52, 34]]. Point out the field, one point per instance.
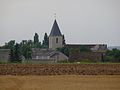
[[59, 76], [60, 82], [59, 69]]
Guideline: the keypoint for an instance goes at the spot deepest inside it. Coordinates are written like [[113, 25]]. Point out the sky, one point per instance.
[[81, 21]]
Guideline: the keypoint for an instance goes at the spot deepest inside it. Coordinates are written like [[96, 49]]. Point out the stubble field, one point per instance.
[[60, 82], [59, 76]]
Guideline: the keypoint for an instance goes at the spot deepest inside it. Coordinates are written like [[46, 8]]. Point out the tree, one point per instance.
[[64, 50], [9, 45], [36, 38], [84, 49], [26, 51], [30, 43], [116, 53], [25, 48], [36, 44], [63, 40], [113, 55], [11, 55], [45, 43], [17, 54]]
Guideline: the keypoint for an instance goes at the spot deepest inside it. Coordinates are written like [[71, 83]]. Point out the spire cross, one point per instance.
[[55, 15]]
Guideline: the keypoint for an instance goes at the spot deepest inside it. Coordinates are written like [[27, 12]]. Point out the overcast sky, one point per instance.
[[81, 21]]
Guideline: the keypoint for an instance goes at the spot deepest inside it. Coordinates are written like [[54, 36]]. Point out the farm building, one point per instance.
[[96, 53], [47, 55], [92, 47], [4, 55], [57, 40]]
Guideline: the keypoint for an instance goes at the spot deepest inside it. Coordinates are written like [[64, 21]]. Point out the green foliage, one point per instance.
[[64, 50], [109, 58], [15, 55], [9, 45], [113, 55], [84, 49], [3, 62], [63, 61], [17, 51], [67, 50], [45, 43], [36, 38], [37, 45], [26, 51], [11, 55], [63, 40]]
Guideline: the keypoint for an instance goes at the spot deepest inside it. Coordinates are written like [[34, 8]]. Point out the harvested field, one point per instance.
[[61, 82], [59, 69]]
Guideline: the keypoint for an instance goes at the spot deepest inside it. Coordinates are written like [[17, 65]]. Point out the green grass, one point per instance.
[[97, 62], [61, 62]]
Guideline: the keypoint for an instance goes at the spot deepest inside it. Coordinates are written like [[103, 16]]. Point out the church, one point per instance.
[[52, 55], [55, 37], [56, 40]]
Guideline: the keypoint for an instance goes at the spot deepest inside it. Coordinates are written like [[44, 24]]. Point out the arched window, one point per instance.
[[56, 40]]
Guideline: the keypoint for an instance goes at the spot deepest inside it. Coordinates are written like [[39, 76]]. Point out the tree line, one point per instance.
[[109, 56], [112, 55], [23, 50]]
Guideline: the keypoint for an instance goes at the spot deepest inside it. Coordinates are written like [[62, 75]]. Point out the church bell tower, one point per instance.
[[55, 37]]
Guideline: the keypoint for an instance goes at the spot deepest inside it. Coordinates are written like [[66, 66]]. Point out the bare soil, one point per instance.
[[59, 69], [60, 82]]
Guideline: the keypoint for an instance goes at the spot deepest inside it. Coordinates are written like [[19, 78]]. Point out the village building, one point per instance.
[[47, 55], [4, 55], [96, 53], [51, 54], [92, 47], [55, 37], [56, 41], [41, 54]]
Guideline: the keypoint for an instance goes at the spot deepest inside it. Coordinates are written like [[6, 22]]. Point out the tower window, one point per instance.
[[56, 40]]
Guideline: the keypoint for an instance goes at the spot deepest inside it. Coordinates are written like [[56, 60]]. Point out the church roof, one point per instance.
[[55, 31]]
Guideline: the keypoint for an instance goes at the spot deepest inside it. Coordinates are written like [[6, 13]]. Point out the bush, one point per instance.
[[113, 55], [109, 59], [63, 61]]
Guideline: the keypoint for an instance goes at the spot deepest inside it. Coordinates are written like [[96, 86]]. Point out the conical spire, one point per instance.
[[55, 30]]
